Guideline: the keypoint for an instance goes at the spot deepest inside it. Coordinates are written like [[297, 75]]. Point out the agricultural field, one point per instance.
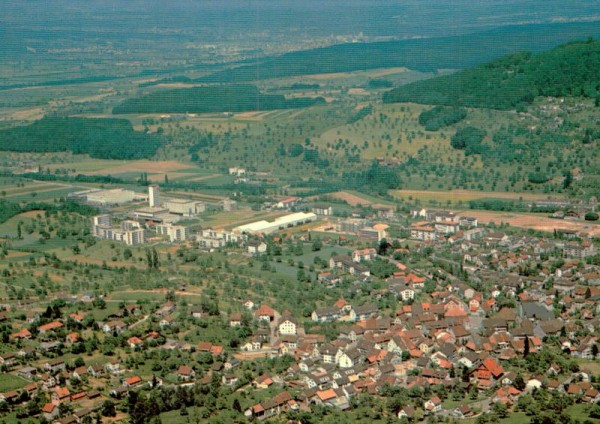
[[354, 198], [11, 382], [459, 197], [538, 222]]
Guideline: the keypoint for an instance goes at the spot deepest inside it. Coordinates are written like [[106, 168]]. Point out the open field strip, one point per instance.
[[372, 73], [43, 195], [532, 221], [466, 195], [202, 178], [13, 190], [354, 198], [196, 195], [158, 178], [88, 165], [141, 166], [39, 189]]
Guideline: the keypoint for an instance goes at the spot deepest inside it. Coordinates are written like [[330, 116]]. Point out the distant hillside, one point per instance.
[[220, 98], [99, 138], [427, 54], [514, 80]]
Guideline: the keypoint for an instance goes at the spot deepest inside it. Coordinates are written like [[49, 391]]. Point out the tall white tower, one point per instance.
[[153, 196]]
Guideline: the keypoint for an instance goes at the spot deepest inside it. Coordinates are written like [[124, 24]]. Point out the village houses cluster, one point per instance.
[[491, 297]]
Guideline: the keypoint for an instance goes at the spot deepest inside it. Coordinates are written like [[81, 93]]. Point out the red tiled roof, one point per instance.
[[62, 392], [340, 303], [21, 334], [50, 326], [493, 366], [326, 394], [265, 310], [185, 370], [133, 380], [216, 350], [204, 346], [48, 408]]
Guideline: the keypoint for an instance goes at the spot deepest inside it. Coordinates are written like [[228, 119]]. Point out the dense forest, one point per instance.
[[10, 209], [425, 54], [218, 98], [99, 138], [512, 81], [440, 117]]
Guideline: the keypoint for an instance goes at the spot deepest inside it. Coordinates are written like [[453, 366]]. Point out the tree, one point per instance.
[[183, 410], [317, 245], [591, 216], [19, 235], [595, 350], [468, 139], [99, 303], [108, 409], [301, 276], [526, 347], [383, 247], [519, 382], [500, 410], [155, 262]]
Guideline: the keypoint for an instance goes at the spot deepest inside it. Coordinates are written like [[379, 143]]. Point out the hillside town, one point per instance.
[[442, 317]]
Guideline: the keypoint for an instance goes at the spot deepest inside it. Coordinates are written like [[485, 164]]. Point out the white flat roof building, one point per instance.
[[115, 196], [278, 224]]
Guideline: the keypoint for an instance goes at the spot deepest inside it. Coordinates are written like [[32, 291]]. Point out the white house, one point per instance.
[[257, 247], [287, 327]]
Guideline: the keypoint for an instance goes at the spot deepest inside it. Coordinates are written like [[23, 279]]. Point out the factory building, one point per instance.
[[185, 207], [117, 196], [278, 224], [151, 213]]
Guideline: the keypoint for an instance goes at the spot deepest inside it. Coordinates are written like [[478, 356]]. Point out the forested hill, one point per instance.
[[218, 98], [512, 81], [100, 138], [425, 54]]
